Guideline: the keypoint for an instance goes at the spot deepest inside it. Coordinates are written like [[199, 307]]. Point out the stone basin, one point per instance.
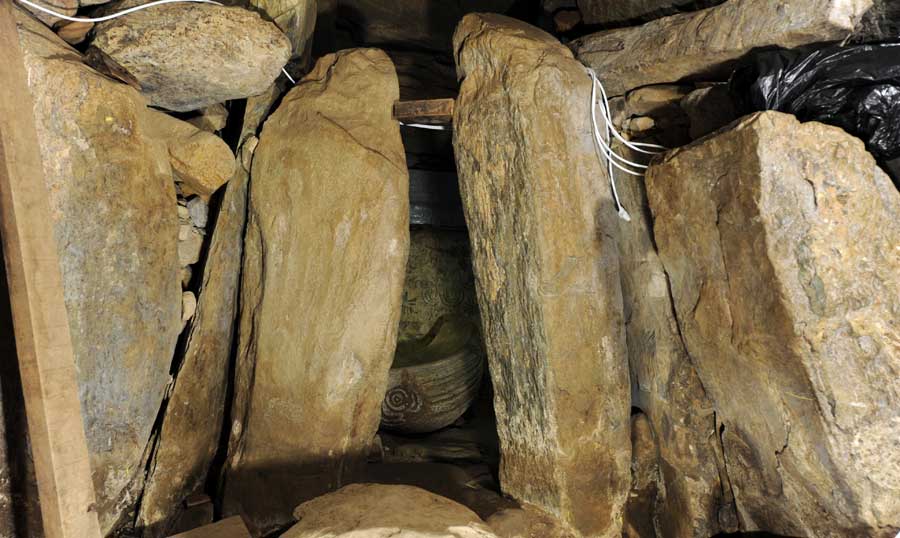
[[433, 380]]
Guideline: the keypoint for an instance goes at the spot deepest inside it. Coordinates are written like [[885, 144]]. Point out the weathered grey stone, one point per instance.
[[188, 56], [705, 43], [114, 209], [691, 498], [781, 241], [619, 12], [325, 253], [383, 511], [546, 268]]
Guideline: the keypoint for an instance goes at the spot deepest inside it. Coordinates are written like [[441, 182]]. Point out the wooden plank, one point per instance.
[[428, 111], [232, 527], [46, 360]]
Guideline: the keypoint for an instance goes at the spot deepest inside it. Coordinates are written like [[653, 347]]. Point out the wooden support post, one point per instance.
[[41, 324], [429, 111]]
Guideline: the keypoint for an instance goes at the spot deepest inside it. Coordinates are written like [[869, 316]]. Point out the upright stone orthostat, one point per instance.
[[782, 245], [116, 224], [693, 497], [542, 229], [698, 43], [325, 254]]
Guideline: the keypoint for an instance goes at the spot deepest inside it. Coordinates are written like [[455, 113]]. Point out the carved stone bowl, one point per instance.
[[433, 380]]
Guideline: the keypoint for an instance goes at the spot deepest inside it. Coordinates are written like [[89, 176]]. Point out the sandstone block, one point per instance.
[[385, 511], [690, 498], [188, 56], [325, 254], [542, 230], [781, 242], [705, 43]]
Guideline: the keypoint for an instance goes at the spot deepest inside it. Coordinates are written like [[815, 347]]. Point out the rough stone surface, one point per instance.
[[781, 241], [325, 254], [546, 267], [191, 428], [202, 161], [665, 385], [611, 12], [383, 511], [114, 209], [705, 43], [190, 436], [188, 56], [296, 18]]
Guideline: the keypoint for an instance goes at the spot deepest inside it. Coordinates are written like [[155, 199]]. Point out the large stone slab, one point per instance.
[[781, 241], [606, 12], [692, 498], [191, 429], [188, 56], [113, 204], [705, 43], [385, 511], [325, 254], [541, 224], [192, 426]]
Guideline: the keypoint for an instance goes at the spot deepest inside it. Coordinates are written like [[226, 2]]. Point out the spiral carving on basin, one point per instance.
[[433, 380]]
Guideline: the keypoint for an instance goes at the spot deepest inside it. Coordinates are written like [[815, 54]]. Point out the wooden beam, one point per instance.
[[428, 111], [232, 527], [46, 360]]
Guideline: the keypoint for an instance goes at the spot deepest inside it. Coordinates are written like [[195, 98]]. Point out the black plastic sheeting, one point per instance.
[[855, 87]]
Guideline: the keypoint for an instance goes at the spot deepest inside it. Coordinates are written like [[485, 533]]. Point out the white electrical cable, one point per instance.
[[604, 146], [425, 126], [126, 12]]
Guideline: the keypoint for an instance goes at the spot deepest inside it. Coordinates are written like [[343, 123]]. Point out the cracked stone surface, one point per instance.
[[546, 264], [324, 259], [692, 498], [707, 42], [781, 241]]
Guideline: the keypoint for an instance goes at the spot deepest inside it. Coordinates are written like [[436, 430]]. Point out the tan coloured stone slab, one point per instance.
[[707, 42], [781, 242], [693, 499], [541, 224], [325, 254]]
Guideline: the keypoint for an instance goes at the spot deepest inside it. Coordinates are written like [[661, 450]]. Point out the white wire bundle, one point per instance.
[[126, 12], [604, 147]]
